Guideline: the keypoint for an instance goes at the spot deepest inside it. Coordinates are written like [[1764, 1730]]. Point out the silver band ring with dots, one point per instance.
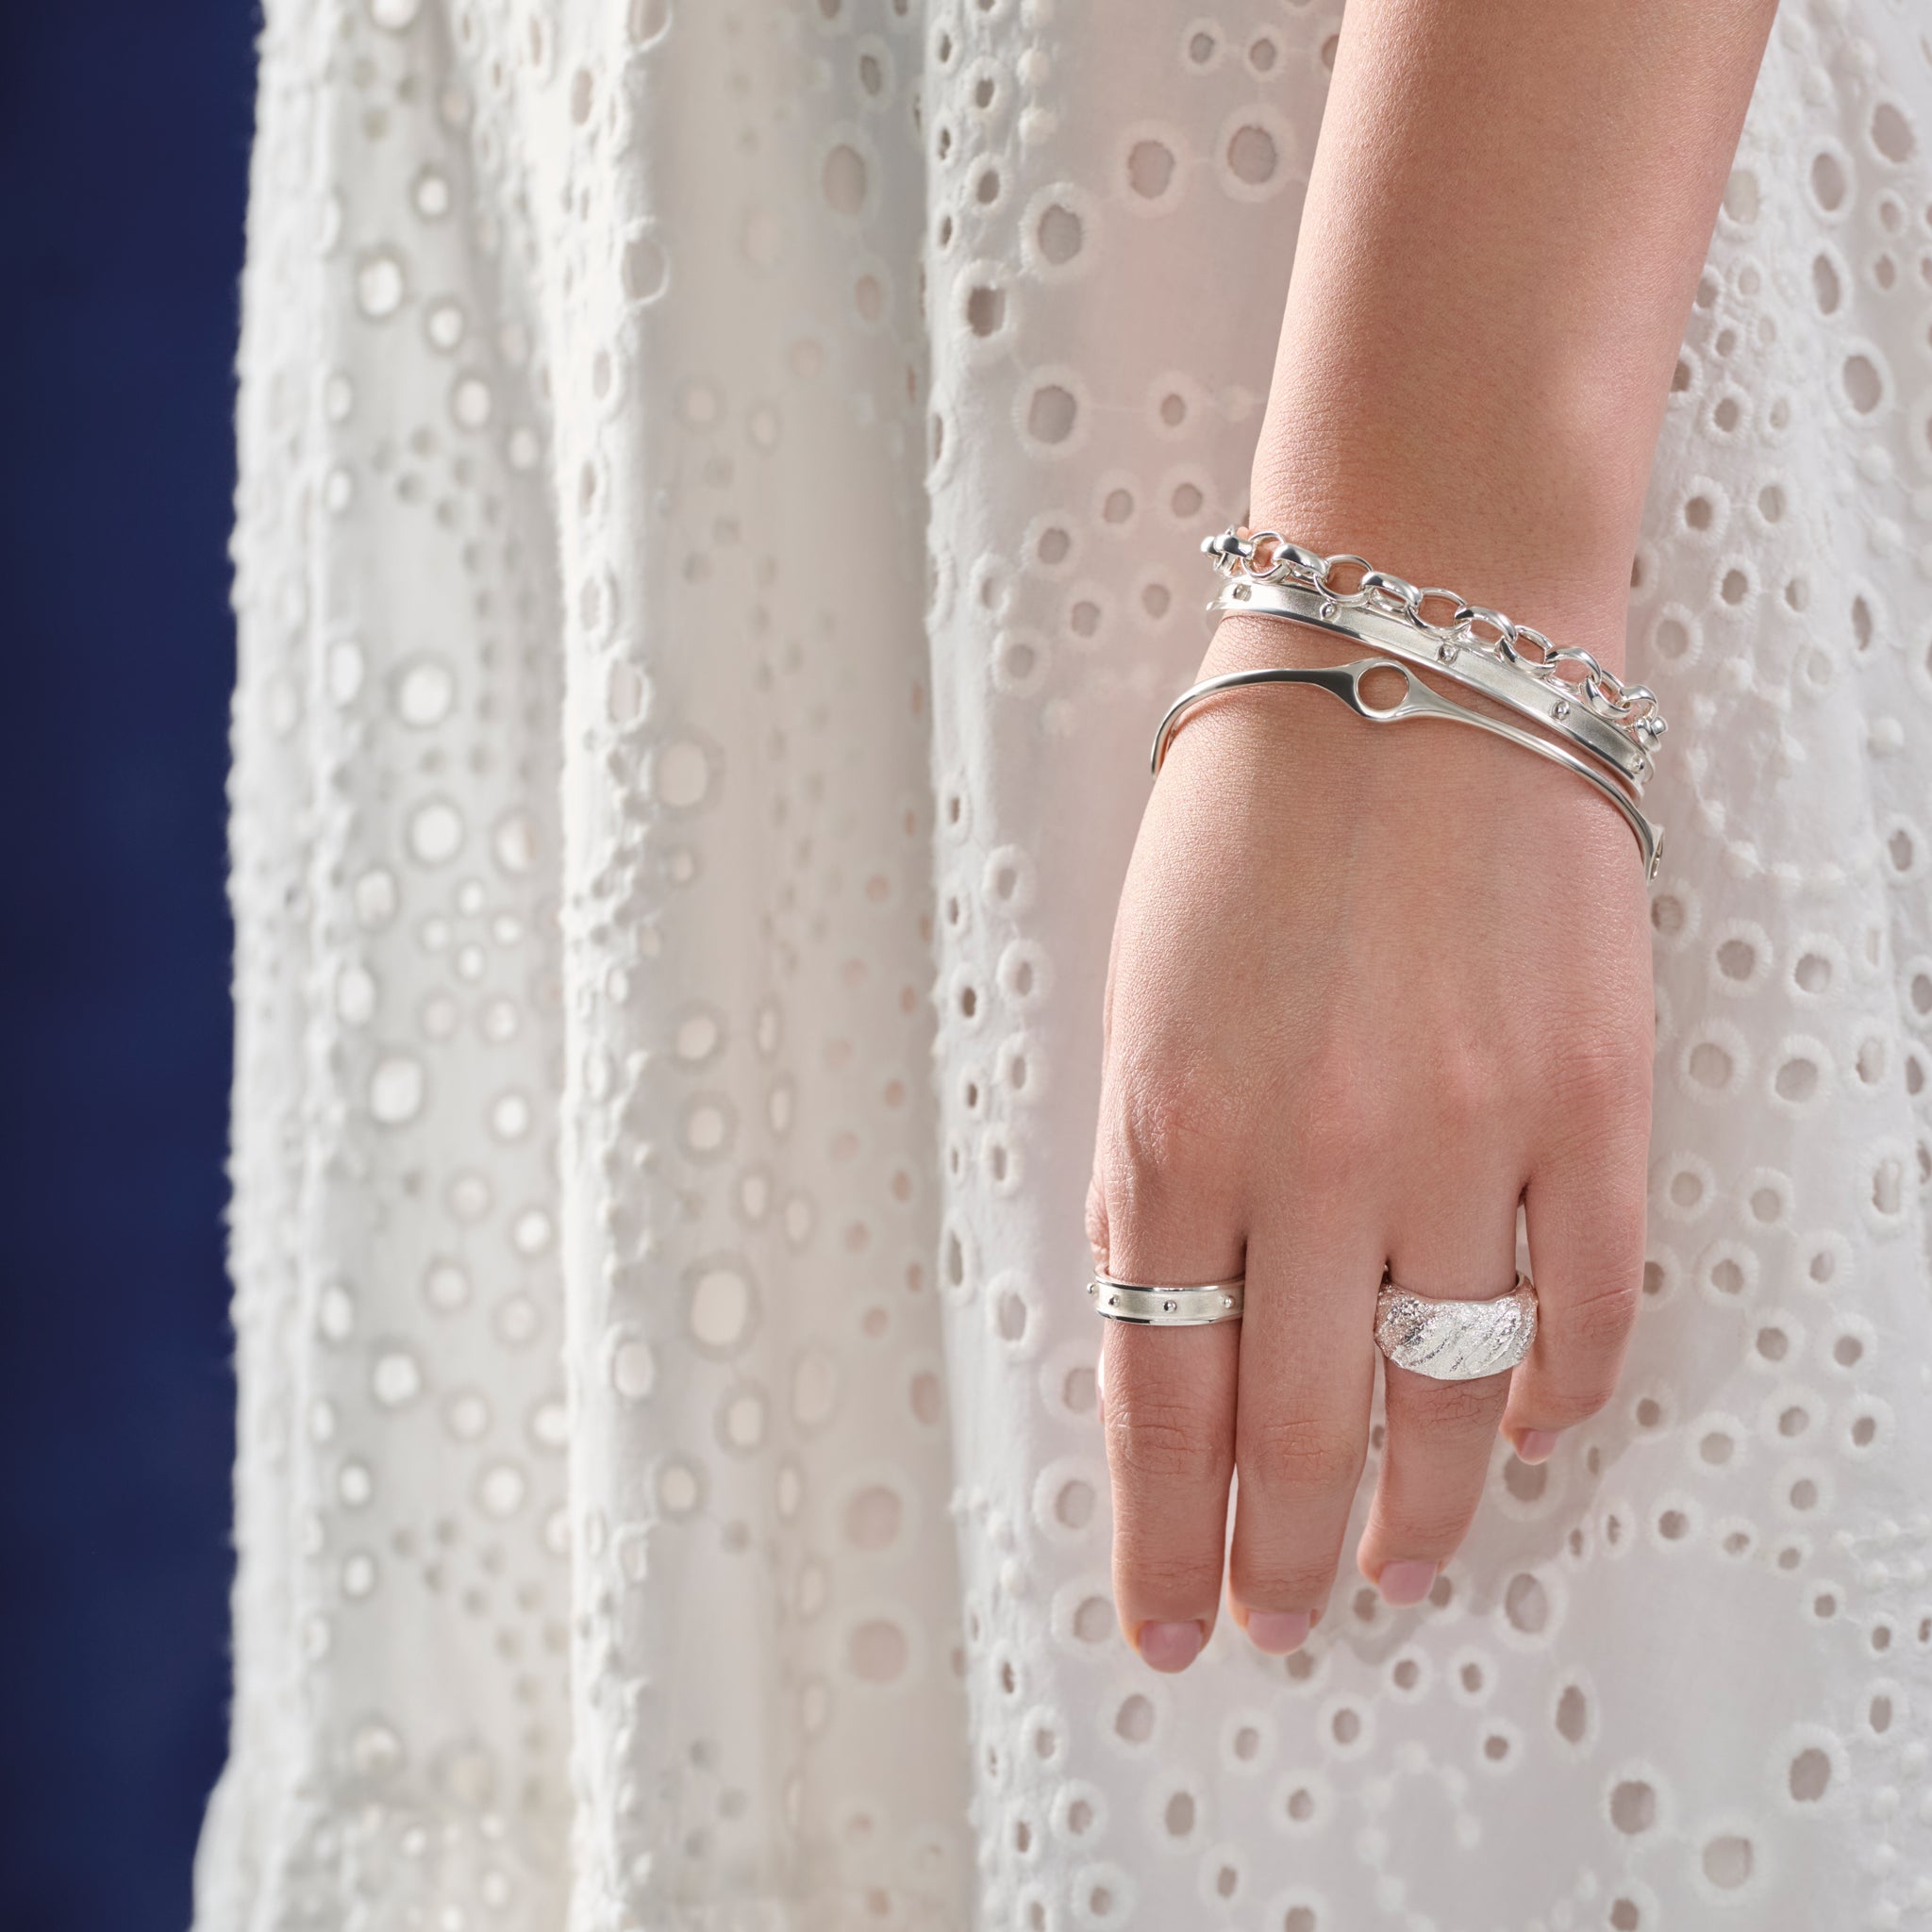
[[1167, 1308]]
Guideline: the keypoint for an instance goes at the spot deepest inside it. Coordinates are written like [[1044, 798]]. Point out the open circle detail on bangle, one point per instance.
[[1419, 700], [1149, 1306], [1455, 1341]]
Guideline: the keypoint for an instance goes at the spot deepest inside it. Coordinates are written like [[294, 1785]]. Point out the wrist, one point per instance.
[[1537, 520]]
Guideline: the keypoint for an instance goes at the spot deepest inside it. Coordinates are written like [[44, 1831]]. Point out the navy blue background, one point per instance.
[[124, 137]]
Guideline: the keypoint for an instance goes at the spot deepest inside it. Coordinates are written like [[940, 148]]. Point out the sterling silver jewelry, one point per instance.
[[1455, 1340], [1268, 557], [1418, 700], [1167, 1308], [1590, 721], [1508, 681]]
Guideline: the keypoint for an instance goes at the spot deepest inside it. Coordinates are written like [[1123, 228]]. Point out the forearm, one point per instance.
[[1509, 209]]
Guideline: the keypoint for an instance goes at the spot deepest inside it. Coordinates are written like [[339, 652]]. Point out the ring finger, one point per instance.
[[1439, 1436]]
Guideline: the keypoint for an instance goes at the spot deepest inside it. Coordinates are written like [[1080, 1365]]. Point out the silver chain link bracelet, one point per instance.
[[1588, 721]]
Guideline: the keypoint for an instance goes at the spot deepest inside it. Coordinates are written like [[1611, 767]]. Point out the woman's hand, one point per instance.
[[1371, 986]]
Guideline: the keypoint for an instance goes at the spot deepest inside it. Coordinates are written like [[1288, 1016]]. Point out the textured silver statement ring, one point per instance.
[[1166, 1308], [1455, 1341]]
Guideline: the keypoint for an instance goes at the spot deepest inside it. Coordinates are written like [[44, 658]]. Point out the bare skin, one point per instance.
[[1372, 988]]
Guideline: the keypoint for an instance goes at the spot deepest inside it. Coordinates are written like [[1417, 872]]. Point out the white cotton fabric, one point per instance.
[[721, 489]]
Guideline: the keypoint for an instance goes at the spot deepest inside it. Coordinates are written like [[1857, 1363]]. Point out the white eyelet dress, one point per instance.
[[721, 492]]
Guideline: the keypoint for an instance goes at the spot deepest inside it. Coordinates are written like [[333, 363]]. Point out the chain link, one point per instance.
[[1569, 672]]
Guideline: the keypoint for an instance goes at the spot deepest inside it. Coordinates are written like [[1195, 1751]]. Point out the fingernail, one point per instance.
[[1278, 1632], [1536, 1445], [1170, 1646], [1405, 1583]]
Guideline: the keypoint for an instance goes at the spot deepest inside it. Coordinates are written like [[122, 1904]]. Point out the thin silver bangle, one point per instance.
[[1509, 684], [1419, 700]]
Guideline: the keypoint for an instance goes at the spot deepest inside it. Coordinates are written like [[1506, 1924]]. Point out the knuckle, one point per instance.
[[1156, 1571], [1096, 1218], [1168, 1140], [1290, 1455], [1460, 1407], [1587, 1317], [1335, 1121], [1423, 1526], [1468, 1090], [1152, 1439], [1600, 1086], [1580, 1373], [1608, 1309], [1280, 1580], [1593, 1326]]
